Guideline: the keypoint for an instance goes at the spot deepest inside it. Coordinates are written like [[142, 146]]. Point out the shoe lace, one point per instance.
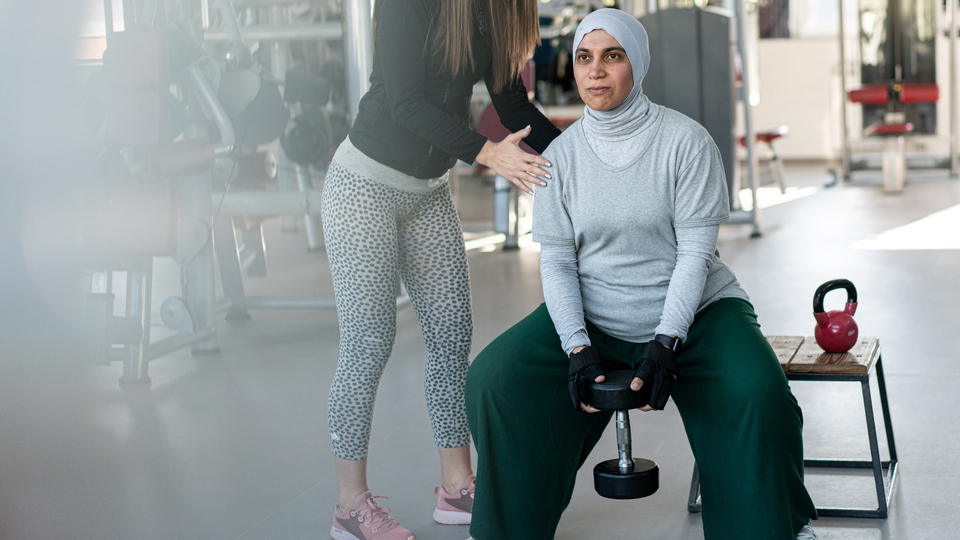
[[374, 514]]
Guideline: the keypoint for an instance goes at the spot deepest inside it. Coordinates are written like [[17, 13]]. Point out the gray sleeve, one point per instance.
[[701, 197], [696, 247], [551, 221], [561, 292]]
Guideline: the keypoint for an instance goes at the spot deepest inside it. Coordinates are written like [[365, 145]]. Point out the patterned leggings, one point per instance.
[[372, 231]]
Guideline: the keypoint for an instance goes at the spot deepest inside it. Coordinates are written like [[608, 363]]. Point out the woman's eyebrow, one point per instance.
[[608, 49]]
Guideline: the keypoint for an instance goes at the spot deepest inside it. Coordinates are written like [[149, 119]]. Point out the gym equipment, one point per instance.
[[626, 477], [836, 331], [255, 107], [307, 139], [899, 94]]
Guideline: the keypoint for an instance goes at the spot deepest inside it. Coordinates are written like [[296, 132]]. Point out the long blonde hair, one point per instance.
[[514, 29]]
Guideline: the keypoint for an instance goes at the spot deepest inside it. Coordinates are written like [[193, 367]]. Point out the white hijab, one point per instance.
[[619, 135]]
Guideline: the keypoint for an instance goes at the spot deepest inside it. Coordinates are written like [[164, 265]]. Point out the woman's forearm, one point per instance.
[[561, 292], [696, 247]]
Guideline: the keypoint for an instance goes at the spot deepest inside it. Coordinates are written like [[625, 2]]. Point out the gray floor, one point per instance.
[[235, 446]]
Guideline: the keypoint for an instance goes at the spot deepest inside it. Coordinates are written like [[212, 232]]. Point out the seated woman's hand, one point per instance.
[[584, 368], [508, 160], [660, 368]]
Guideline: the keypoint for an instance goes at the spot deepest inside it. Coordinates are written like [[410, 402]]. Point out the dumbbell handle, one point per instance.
[[624, 441]]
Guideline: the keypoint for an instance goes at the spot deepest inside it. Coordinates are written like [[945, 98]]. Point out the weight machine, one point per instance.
[[898, 88], [196, 93]]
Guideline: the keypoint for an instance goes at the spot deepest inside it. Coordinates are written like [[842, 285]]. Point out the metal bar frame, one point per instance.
[[884, 482], [312, 32], [953, 90], [290, 302], [137, 357], [753, 215], [845, 149]]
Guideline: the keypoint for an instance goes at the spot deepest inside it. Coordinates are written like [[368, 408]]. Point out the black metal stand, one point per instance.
[[884, 472]]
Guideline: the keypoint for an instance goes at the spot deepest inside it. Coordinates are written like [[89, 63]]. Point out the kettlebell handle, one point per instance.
[[829, 286]]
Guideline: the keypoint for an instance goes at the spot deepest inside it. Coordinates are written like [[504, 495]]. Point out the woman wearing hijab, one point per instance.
[[632, 279]]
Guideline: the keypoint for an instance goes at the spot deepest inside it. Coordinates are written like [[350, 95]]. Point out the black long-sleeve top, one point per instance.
[[414, 117]]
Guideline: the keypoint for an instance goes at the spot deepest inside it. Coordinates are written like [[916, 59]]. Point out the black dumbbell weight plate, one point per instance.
[[641, 480], [614, 394]]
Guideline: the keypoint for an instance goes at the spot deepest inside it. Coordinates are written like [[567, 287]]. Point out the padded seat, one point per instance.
[[881, 130]]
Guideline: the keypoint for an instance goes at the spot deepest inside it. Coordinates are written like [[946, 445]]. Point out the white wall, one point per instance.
[[800, 88]]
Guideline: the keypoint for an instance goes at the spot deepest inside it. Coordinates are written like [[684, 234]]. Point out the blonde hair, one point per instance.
[[514, 29]]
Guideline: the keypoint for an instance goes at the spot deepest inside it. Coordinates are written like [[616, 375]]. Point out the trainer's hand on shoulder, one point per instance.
[[584, 367], [508, 160]]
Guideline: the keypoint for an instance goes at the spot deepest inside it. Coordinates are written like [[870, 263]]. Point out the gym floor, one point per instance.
[[235, 446]]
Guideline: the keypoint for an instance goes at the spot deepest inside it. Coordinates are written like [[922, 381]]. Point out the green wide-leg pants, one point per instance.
[[743, 424]]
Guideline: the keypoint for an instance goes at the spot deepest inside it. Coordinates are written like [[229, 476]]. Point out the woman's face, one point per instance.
[[602, 70]]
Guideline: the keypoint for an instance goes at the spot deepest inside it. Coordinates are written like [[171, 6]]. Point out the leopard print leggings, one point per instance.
[[372, 231]]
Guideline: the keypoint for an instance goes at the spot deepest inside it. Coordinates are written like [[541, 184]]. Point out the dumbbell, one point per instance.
[[626, 477]]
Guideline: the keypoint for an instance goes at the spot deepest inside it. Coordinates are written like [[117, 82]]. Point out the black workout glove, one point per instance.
[[584, 369], [659, 367]]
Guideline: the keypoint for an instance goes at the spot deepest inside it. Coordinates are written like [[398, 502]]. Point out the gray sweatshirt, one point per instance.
[[633, 248]]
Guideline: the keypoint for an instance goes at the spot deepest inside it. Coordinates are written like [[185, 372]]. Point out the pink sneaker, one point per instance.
[[456, 509], [367, 520]]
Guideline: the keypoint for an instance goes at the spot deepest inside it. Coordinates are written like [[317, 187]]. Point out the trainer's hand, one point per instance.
[[584, 367], [508, 160], [660, 368]]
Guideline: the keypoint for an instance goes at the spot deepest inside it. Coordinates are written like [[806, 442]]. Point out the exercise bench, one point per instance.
[[803, 360], [894, 128]]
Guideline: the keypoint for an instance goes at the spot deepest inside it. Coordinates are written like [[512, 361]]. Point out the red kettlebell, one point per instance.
[[836, 331]]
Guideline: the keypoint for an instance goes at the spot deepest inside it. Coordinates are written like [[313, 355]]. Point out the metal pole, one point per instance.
[[99, 316], [953, 89], [129, 15], [139, 285], [205, 14], [286, 179], [311, 222], [357, 37], [230, 20], [268, 203], [874, 448], [752, 163], [845, 149], [108, 19], [201, 288], [211, 103], [306, 32]]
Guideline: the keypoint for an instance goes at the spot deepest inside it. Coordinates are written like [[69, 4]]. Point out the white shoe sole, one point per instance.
[[340, 534], [447, 517]]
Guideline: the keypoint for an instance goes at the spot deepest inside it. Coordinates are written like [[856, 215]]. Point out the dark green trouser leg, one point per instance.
[[743, 424], [744, 427], [530, 440]]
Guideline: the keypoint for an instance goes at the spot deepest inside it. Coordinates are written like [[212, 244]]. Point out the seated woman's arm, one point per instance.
[[561, 293], [696, 247]]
